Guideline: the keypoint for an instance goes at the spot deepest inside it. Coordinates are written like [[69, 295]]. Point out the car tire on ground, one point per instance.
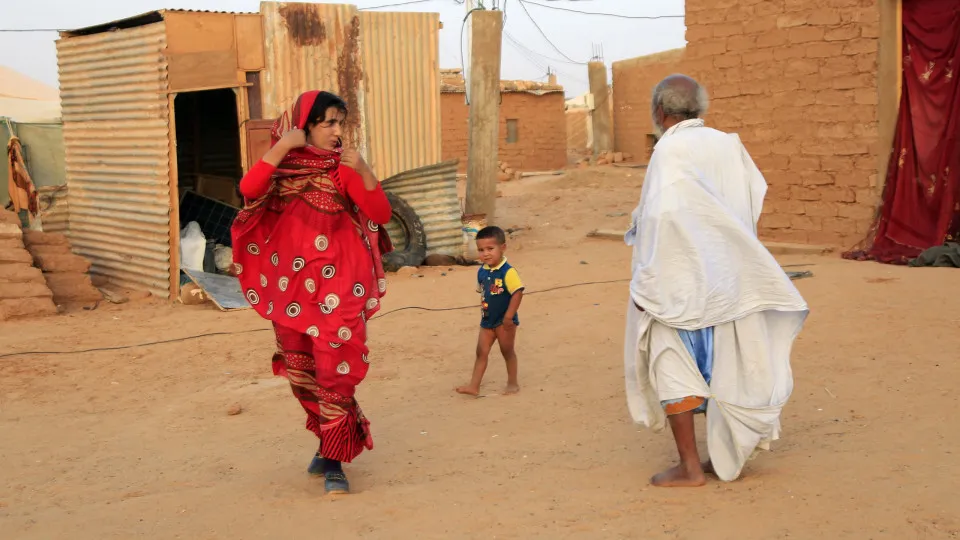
[[407, 235]]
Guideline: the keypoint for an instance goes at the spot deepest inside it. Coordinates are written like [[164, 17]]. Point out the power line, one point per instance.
[[408, 3], [541, 55], [532, 56], [523, 4], [601, 14]]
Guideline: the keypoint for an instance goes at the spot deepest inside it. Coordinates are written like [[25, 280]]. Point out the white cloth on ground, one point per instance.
[[697, 263]]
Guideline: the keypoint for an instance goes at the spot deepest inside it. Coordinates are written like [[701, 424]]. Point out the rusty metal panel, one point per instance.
[[313, 47], [116, 115], [54, 208], [432, 192], [401, 82]]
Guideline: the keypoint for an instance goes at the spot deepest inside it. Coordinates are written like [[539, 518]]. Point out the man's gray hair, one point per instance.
[[680, 96]]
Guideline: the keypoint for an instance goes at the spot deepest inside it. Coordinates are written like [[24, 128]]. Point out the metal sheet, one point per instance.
[[401, 81], [54, 209], [313, 47], [432, 192], [116, 126]]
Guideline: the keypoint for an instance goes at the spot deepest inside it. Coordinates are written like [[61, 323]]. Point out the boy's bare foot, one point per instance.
[[468, 390], [679, 476], [511, 389]]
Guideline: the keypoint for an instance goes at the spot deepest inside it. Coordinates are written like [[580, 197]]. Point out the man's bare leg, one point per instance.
[[484, 344], [689, 472]]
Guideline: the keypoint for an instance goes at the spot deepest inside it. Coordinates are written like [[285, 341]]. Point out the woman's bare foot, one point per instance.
[[511, 389], [707, 467], [468, 390], [679, 476]]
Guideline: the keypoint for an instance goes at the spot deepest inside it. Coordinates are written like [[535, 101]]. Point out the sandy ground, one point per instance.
[[138, 444]]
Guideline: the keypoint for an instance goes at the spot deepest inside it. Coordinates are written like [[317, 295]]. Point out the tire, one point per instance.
[[407, 235]]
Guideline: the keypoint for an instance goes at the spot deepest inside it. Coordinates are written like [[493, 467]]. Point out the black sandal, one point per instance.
[[316, 465], [336, 483]]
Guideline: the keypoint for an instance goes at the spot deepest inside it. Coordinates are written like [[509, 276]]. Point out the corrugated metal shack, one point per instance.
[[181, 100]]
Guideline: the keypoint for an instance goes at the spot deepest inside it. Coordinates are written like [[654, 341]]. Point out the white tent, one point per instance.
[[26, 100]]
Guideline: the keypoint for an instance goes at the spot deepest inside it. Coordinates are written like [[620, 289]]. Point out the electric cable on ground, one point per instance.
[[254, 330]]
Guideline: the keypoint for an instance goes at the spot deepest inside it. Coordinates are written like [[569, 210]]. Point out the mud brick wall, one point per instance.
[[797, 79], [577, 134], [633, 82], [23, 291], [65, 272], [542, 141]]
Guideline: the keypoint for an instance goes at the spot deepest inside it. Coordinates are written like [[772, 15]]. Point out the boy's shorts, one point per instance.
[[493, 321]]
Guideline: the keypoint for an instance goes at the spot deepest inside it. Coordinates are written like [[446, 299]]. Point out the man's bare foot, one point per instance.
[[511, 389], [679, 476], [468, 390], [707, 467]]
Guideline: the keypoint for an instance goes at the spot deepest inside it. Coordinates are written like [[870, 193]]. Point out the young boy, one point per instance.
[[501, 292]]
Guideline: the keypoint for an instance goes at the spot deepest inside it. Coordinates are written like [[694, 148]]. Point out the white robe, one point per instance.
[[697, 263]]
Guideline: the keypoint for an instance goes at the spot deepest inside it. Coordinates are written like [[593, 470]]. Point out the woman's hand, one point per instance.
[[295, 138], [291, 140], [351, 158]]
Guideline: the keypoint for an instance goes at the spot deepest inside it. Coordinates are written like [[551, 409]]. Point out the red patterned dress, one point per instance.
[[307, 250]]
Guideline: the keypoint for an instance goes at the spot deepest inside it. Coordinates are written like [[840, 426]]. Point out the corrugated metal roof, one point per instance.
[[432, 192], [401, 71], [313, 47], [142, 19], [208, 11], [116, 130]]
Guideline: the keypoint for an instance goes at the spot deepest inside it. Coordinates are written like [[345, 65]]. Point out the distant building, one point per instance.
[[532, 123]]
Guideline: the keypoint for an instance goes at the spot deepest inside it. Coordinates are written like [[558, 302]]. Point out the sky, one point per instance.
[[526, 52]]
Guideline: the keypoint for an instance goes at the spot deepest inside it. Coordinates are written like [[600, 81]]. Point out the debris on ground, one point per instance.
[[507, 173], [605, 158]]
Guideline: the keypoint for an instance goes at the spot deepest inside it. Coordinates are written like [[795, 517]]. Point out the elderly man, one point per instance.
[[712, 316]]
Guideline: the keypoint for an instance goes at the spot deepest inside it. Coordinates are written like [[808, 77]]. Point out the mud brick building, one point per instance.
[[812, 88], [533, 129]]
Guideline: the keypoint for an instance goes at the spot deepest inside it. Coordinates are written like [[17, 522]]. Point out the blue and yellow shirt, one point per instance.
[[497, 286]]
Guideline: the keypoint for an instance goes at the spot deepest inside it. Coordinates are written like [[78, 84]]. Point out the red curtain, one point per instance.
[[921, 199]]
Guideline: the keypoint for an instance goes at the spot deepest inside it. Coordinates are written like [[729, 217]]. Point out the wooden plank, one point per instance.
[[254, 96], [200, 32], [216, 69], [258, 139], [220, 188], [606, 234], [172, 181], [250, 55]]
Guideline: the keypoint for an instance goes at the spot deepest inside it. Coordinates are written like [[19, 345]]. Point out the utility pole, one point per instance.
[[486, 31], [601, 114]]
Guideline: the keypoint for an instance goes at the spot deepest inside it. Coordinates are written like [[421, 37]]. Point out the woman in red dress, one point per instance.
[[307, 250]]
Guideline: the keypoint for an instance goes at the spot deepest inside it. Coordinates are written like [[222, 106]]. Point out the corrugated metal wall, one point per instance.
[[432, 192], [116, 128], [313, 47], [401, 82], [54, 209]]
